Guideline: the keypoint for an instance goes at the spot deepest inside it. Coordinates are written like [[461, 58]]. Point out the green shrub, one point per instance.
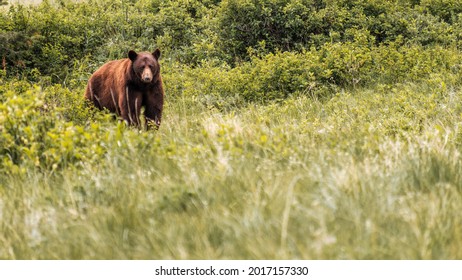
[[51, 37], [289, 25], [448, 10], [280, 24], [318, 73], [38, 131]]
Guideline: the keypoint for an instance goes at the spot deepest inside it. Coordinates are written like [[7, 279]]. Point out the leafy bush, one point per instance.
[[316, 73], [289, 25], [37, 131], [51, 37], [448, 10], [283, 24]]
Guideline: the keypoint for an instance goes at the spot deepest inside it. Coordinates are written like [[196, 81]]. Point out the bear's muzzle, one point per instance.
[[146, 76]]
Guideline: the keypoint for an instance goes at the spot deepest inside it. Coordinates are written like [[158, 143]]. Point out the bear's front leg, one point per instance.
[[153, 110], [130, 106]]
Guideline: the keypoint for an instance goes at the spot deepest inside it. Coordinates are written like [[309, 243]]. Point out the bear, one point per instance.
[[126, 85]]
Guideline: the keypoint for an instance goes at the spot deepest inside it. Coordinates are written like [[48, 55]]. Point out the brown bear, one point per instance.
[[125, 86]]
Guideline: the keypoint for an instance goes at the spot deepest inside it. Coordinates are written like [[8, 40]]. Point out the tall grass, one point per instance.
[[370, 174]]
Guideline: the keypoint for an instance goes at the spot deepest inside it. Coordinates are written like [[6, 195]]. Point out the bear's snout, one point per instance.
[[146, 76]]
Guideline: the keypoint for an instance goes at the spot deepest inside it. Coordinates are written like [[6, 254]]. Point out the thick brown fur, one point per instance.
[[125, 86]]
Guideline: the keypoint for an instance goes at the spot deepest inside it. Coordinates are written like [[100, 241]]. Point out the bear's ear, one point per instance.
[[156, 54], [132, 55]]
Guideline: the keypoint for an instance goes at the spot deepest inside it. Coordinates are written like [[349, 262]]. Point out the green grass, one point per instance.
[[369, 174]]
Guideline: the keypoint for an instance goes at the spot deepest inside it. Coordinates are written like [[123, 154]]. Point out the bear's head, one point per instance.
[[145, 65]]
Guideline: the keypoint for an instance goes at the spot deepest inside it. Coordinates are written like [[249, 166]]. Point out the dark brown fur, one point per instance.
[[125, 86]]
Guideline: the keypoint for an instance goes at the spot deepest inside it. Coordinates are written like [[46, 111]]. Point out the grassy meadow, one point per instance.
[[344, 143]]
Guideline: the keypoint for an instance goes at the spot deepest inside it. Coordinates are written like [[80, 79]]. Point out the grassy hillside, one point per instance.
[[338, 140]]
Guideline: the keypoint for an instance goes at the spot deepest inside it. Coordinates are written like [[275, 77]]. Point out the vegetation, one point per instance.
[[293, 129]]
